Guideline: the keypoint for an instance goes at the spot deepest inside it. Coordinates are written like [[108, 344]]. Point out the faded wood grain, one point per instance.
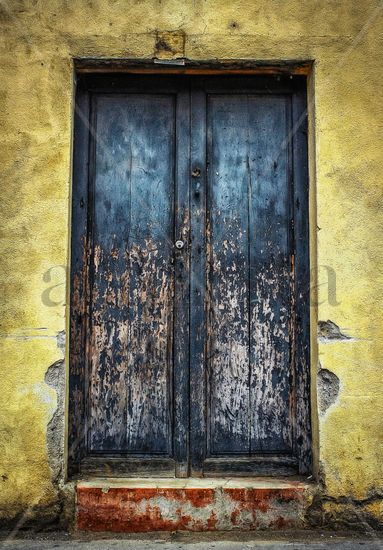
[[132, 288], [258, 465], [197, 280], [182, 287], [78, 287], [270, 252], [127, 467], [228, 275], [249, 274], [302, 413]]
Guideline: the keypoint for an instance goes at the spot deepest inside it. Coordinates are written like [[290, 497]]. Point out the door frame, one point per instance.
[[281, 76]]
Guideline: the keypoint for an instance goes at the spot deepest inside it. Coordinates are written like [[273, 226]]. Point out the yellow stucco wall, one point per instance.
[[39, 38]]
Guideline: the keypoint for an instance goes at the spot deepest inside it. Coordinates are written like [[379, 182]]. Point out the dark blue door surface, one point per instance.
[[189, 346], [248, 268]]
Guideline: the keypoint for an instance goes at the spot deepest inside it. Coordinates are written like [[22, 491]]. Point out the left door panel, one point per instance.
[[128, 363]]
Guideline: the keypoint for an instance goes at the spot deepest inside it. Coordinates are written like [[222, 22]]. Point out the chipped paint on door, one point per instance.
[[132, 283]]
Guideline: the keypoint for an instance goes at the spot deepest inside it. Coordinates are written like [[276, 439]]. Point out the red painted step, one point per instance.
[[190, 505]]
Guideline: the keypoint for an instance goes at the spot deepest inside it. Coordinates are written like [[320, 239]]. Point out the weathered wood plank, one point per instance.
[[182, 287], [227, 82], [228, 274], [302, 436], [109, 314], [151, 289], [251, 466], [204, 67], [132, 289], [78, 287], [127, 467], [270, 193], [197, 281]]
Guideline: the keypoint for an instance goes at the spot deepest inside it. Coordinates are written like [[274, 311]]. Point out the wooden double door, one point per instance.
[[189, 313]]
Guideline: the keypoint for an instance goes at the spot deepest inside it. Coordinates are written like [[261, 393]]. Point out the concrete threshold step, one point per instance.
[[142, 505]]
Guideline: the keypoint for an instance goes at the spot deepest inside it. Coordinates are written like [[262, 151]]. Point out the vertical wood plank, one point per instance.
[[182, 289], [197, 280], [109, 307], [270, 192], [151, 289], [302, 280], [228, 274], [132, 288], [78, 291]]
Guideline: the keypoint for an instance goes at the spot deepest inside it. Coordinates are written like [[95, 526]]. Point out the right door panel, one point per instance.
[[248, 274]]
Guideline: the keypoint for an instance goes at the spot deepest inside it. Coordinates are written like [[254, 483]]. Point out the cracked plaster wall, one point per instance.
[[39, 39]]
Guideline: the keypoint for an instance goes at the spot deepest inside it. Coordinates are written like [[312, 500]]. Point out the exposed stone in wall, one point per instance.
[[328, 389], [55, 378], [61, 341], [63, 510], [328, 330]]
